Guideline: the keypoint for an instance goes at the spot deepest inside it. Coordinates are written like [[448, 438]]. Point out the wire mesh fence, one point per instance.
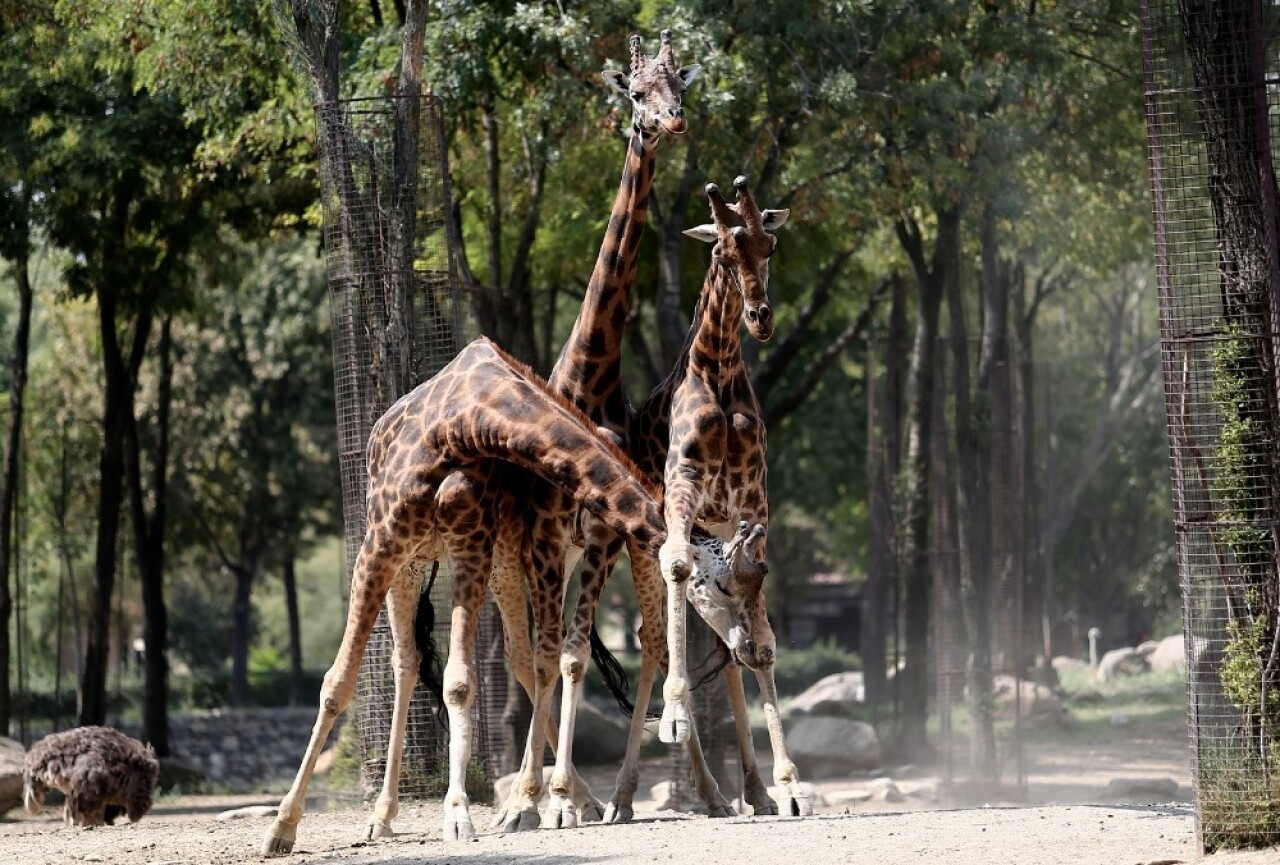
[[398, 317], [1212, 94]]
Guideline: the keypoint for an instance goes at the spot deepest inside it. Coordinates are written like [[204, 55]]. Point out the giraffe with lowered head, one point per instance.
[[701, 430], [434, 462]]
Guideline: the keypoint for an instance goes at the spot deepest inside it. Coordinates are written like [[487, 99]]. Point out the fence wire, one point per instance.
[[1212, 107], [398, 317]]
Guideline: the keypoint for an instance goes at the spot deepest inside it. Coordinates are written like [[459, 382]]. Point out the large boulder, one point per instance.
[[1039, 703], [836, 696], [823, 746], [599, 739], [1119, 663], [12, 755], [1170, 654]]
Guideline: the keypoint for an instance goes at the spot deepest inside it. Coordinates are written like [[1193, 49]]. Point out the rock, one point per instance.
[[1170, 654], [1147, 789], [1088, 696], [598, 739], [502, 786], [815, 798], [250, 811], [1039, 704], [1146, 647], [845, 798], [884, 790], [827, 747], [1121, 662], [835, 696], [179, 775], [11, 756], [1062, 662]]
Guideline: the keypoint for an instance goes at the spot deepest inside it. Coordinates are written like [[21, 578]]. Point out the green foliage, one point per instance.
[[1238, 793]]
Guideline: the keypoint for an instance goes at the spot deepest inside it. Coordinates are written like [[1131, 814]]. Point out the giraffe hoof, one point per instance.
[[377, 829], [560, 815], [616, 813], [797, 805], [280, 838], [459, 830], [723, 809], [591, 812], [673, 729], [765, 808], [518, 821]]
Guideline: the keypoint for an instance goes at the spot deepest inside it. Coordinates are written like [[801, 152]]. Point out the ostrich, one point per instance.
[[102, 772]]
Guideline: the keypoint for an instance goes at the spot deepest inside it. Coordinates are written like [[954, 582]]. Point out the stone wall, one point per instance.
[[241, 750]]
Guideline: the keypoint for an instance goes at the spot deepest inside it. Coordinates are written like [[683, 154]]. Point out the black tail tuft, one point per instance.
[[430, 665], [615, 678]]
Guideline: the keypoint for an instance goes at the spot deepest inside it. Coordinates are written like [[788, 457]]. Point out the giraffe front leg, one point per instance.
[[369, 587], [754, 791], [794, 799], [650, 596], [674, 559]]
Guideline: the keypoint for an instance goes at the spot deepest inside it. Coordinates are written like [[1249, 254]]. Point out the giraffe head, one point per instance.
[[724, 585], [742, 234], [655, 87]]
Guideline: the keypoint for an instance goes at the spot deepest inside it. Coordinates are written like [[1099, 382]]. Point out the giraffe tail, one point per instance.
[[614, 676], [430, 664]]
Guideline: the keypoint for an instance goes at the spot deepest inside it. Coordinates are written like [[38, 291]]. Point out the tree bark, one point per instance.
[[120, 376], [9, 481], [917, 565], [149, 543], [297, 685], [886, 397]]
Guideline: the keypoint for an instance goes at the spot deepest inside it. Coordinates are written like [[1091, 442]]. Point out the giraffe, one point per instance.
[[701, 430], [588, 374], [432, 496]]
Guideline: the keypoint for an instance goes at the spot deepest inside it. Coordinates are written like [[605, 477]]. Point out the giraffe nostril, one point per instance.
[[752, 316], [764, 313]]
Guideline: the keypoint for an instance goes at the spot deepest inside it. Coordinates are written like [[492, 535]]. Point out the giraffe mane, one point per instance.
[[655, 490]]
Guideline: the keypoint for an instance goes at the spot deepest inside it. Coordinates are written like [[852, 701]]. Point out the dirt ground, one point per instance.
[[1084, 803]]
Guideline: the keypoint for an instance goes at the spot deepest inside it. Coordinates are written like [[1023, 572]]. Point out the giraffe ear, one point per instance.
[[617, 80], [706, 233], [774, 219], [688, 75]]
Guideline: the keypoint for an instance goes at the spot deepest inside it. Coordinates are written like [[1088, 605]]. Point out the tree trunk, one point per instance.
[[972, 516], [117, 411], [149, 539], [886, 396], [297, 686], [917, 564], [241, 624], [9, 480], [1224, 43]]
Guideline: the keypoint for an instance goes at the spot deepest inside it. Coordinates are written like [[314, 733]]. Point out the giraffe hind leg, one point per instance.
[[377, 562], [402, 602]]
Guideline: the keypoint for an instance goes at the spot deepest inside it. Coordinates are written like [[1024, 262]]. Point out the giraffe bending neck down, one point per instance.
[[431, 497], [588, 374], [701, 431]]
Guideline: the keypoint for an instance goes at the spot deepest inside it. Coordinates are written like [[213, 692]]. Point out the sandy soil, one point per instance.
[[1074, 811]]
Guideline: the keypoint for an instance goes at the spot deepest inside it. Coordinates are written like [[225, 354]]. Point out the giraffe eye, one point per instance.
[[637, 95], [722, 589]]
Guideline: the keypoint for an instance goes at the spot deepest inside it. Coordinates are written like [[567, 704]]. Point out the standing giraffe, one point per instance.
[[701, 430], [588, 374], [432, 497]]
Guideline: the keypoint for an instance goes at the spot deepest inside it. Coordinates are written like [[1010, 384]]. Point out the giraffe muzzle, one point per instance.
[[760, 321]]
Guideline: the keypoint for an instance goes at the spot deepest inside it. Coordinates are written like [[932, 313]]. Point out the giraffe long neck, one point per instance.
[[713, 347], [588, 372], [485, 405]]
